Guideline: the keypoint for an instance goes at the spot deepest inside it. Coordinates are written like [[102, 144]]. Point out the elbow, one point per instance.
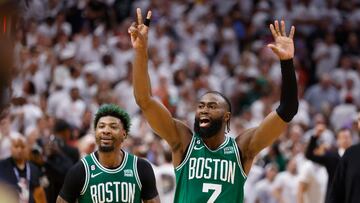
[[141, 101], [288, 112]]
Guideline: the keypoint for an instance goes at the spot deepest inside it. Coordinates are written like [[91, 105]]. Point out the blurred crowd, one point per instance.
[[72, 56]]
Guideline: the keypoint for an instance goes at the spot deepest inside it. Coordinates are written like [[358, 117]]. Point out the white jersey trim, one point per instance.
[[239, 160], [87, 176], [136, 172], [189, 150], [106, 170]]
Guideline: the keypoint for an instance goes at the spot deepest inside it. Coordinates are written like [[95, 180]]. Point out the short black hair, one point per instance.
[[61, 125], [114, 111], [221, 95]]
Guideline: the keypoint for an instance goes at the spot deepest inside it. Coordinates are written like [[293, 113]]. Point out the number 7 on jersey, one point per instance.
[[215, 194]]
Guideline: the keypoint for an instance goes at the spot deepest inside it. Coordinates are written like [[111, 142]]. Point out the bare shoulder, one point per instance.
[[243, 140], [184, 133]]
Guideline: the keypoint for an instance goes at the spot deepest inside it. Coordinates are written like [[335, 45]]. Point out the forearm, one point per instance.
[[289, 97], [141, 79]]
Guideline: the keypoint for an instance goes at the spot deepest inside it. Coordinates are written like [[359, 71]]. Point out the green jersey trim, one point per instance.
[[87, 177], [239, 160], [106, 170], [189, 150], [220, 147], [136, 172]]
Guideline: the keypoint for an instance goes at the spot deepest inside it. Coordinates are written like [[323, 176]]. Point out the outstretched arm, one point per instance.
[[156, 114], [256, 139]]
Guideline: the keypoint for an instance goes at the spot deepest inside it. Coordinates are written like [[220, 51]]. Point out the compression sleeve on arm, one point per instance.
[[74, 181], [289, 97], [147, 179]]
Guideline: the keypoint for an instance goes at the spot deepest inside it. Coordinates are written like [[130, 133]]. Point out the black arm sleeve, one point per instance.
[[289, 97], [74, 181], [147, 179], [309, 154]]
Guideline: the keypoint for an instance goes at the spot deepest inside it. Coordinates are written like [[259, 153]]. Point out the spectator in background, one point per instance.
[[343, 114], [312, 183], [322, 97], [286, 183], [58, 157], [21, 174], [165, 179], [346, 184], [329, 158], [264, 188], [5, 136], [326, 55]]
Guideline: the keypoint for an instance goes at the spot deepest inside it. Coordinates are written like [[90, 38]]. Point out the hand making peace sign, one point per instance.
[[139, 30], [284, 45]]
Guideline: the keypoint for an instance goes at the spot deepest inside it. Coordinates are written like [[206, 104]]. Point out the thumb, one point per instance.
[[274, 48]]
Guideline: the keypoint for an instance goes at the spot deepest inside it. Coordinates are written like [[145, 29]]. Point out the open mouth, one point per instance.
[[204, 122]]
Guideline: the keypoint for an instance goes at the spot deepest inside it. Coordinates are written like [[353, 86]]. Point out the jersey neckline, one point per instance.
[[217, 149], [107, 170]]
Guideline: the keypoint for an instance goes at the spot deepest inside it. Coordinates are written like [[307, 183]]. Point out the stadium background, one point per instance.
[[72, 56]]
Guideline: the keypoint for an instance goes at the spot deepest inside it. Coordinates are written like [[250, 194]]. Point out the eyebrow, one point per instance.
[[211, 102], [104, 123]]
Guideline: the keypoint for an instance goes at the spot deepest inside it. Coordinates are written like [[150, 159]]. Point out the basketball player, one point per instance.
[[110, 174], [209, 166]]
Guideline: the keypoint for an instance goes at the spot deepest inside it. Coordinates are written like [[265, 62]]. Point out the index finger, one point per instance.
[[139, 16]]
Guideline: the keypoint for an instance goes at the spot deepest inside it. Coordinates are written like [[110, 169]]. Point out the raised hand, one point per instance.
[[284, 45], [139, 31]]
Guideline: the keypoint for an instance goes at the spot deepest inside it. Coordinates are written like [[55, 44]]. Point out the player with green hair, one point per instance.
[[110, 174]]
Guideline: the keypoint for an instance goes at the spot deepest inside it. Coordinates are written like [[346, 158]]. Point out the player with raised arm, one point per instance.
[[209, 166]]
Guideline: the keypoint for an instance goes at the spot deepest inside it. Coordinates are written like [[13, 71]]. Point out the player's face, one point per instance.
[[109, 133], [210, 116]]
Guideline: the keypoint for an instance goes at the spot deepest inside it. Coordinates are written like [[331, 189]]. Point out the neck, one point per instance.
[[215, 141], [111, 159], [20, 163]]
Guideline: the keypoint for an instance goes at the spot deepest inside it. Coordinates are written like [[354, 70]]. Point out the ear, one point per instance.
[[227, 116], [125, 134]]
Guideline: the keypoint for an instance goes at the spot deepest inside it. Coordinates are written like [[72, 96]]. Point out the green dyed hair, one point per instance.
[[114, 111]]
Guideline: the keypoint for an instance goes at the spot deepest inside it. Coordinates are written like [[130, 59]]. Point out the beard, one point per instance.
[[106, 148], [207, 132]]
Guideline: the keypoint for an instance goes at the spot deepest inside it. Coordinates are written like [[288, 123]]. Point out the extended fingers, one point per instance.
[[292, 32], [148, 16], [280, 30], [283, 33], [139, 16], [147, 19], [277, 28], [273, 32]]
